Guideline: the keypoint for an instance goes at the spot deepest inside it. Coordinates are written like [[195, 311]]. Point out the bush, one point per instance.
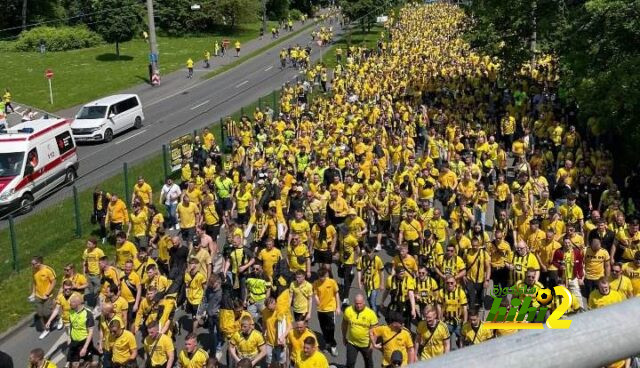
[[57, 38], [295, 14]]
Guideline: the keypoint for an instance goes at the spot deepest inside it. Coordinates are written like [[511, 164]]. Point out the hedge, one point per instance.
[[57, 38]]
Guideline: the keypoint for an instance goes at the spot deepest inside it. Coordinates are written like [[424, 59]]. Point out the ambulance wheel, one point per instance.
[[70, 176], [138, 123], [26, 203]]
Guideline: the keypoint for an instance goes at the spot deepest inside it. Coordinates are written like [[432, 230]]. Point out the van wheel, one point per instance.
[[108, 135], [26, 203], [70, 176], [138, 123]]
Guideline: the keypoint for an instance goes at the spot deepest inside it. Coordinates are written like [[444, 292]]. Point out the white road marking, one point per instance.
[[242, 84], [269, 68], [61, 339], [131, 136], [200, 104], [17, 109], [58, 358]]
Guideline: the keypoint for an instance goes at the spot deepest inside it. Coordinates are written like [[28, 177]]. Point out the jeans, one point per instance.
[[255, 309], [172, 218], [328, 327], [93, 290], [217, 339], [475, 294], [352, 355], [347, 280], [480, 216], [373, 300]]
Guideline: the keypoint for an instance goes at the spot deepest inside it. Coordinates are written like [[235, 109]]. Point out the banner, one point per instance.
[[180, 148]]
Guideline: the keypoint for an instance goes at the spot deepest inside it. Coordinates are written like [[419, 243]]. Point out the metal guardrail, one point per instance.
[[595, 339]]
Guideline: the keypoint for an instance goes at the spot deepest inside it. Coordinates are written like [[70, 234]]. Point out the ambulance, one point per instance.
[[36, 157]]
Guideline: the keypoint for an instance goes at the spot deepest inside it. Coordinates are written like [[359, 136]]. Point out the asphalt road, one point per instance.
[[172, 112]]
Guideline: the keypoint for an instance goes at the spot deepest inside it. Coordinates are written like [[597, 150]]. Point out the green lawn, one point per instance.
[[51, 231], [82, 75]]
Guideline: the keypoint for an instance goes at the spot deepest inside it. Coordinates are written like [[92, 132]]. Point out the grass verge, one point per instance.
[[87, 74], [51, 232], [354, 37]]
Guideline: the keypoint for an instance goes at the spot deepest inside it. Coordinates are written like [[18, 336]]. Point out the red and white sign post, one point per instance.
[[49, 75]]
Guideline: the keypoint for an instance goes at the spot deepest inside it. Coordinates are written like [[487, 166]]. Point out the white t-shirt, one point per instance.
[[171, 193]]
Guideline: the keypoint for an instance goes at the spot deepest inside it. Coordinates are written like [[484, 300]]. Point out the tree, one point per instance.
[[176, 17], [119, 20], [277, 9], [235, 12], [363, 12]]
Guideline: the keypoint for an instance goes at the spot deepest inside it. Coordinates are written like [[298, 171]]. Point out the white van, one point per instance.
[[102, 119], [35, 157]]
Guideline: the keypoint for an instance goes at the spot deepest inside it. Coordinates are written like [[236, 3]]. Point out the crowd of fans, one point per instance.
[[422, 176]]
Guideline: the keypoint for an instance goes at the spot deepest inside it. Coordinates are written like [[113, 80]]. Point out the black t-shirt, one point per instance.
[[178, 259]]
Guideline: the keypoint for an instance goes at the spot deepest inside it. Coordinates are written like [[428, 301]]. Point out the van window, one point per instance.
[[64, 142], [92, 112], [126, 105], [32, 158], [11, 164]]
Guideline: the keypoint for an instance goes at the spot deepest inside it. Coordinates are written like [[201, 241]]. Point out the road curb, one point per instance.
[[4, 336]]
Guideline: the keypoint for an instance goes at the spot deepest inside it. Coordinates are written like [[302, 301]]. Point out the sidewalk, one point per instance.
[[177, 80]]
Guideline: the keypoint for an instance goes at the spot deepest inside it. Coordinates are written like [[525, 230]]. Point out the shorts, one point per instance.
[[213, 231], [141, 241], [73, 354], [44, 307], [383, 226], [225, 204], [322, 256], [115, 226], [191, 309], [242, 218], [188, 233]]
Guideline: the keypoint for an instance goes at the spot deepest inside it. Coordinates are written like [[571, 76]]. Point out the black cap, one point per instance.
[[396, 357]]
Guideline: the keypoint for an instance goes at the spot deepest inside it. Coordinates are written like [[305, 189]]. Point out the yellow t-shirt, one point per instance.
[[139, 223], [594, 263], [269, 259], [122, 347], [91, 259], [197, 360], [432, 340], [195, 287], [316, 360], [633, 273], [410, 230], [187, 215], [401, 342], [128, 286], [300, 251], [247, 346], [65, 306], [452, 303], [326, 292], [295, 342], [160, 349], [597, 300], [472, 336], [143, 191], [127, 251], [42, 280], [301, 295], [359, 324]]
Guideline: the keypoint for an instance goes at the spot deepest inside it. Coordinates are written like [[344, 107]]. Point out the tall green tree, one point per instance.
[[119, 20], [364, 12], [235, 12], [176, 17]]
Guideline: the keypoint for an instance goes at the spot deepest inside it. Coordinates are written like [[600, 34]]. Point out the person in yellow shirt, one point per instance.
[[158, 348], [301, 293], [323, 241], [393, 337], [432, 335], [125, 250], [410, 231], [269, 256], [620, 282], [188, 218], [237, 45], [327, 300], [295, 340], [632, 271], [44, 281], [139, 225], [472, 331], [478, 272], [356, 322], [91, 268], [452, 306], [243, 204], [597, 264], [195, 283], [247, 343], [298, 256], [37, 360], [521, 261], [143, 191], [63, 306], [117, 215], [125, 347], [192, 356], [603, 295], [131, 289], [311, 357], [451, 265], [370, 276]]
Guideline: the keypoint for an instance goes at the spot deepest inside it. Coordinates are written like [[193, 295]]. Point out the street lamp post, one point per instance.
[[153, 44]]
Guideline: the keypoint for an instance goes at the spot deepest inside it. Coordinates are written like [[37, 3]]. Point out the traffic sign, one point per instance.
[[153, 58], [48, 73]]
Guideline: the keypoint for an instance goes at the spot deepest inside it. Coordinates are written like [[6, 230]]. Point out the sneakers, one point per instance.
[[177, 227], [219, 354], [43, 334], [378, 247], [345, 301], [334, 351], [104, 240], [59, 325]]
